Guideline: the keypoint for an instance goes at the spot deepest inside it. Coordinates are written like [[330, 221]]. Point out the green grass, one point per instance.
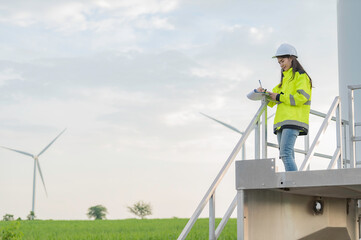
[[129, 229]]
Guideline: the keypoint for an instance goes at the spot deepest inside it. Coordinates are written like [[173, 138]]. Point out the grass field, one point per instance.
[[129, 229]]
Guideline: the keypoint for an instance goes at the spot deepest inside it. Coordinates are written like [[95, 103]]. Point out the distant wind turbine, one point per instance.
[[36, 165], [233, 129]]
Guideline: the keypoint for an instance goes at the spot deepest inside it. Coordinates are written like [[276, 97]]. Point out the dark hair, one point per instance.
[[296, 67]]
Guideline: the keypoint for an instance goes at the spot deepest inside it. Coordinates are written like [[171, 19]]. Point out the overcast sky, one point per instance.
[[128, 80]]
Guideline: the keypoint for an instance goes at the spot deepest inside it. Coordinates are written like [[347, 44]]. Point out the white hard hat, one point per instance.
[[286, 49]]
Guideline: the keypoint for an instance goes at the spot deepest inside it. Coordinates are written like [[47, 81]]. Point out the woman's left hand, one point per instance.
[[273, 95]]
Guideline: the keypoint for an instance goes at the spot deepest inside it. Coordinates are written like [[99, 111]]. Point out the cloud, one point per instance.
[[154, 23], [9, 74], [180, 118], [69, 17], [66, 17], [229, 70], [132, 87], [113, 96], [255, 34], [136, 8]]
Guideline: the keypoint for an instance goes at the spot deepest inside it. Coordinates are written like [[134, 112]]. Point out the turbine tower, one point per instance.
[[36, 166]]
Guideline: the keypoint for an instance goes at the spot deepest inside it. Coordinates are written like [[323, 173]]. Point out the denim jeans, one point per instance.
[[286, 140]]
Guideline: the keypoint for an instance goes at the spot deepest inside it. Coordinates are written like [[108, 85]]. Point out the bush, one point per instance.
[[11, 232], [141, 209], [8, 217], [97, 212], [31, 216]]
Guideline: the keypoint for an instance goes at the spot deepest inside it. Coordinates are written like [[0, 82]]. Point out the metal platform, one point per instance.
[[269, 200], [261, 174]]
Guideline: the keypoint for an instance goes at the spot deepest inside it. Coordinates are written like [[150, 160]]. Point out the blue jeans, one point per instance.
[[286, 140]]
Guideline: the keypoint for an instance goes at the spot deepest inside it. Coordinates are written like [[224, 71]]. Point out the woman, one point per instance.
[[293, 98]]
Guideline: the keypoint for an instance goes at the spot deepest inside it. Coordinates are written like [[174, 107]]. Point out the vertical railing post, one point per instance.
[[212, 217], [257, 140], [307, 147], [344, 134], [351, 128], [264, 132], [240, 214], [339, 135], [257, 133], [244, 151]]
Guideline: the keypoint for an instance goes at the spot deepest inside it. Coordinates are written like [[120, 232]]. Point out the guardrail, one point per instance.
[[210, 195], [351, 111], [338, 152], [261, 145]]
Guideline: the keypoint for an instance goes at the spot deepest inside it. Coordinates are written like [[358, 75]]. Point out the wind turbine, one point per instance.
[[36, 165], [233, 129]]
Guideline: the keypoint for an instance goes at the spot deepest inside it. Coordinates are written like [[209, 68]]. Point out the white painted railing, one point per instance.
[[261, 145], [209, 196], [352, 133]]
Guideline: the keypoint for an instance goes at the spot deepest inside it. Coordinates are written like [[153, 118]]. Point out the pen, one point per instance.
[[261, 85]]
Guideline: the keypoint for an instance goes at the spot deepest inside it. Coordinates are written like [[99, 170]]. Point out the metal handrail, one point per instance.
[[310, 154], [305, 151], [323, 115], [352, 124], [301, 151], [222, 172], [340, 123], [209, 197], [226, 217]]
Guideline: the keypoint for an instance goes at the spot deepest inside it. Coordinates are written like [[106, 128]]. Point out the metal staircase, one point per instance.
[[339, 156]]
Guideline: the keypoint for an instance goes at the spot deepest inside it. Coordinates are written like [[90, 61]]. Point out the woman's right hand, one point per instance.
[[260, 89]]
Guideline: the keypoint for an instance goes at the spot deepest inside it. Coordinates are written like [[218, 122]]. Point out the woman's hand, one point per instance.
[[273, 95], [260, 89]]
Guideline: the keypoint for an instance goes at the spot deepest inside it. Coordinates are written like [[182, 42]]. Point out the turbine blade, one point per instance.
[[18, 151], [51, 143], [41, 175], [224, 124]]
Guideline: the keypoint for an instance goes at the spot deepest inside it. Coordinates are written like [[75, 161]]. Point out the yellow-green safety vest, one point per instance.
[[293, 107]]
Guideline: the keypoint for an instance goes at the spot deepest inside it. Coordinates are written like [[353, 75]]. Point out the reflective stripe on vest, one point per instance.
[[290, 122], [301, 91], [292, 100]]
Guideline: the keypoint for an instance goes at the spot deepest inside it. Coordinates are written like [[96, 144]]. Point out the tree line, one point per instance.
[[140, 209]]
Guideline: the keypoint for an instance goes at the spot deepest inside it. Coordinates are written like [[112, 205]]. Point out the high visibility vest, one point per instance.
[[293, 107]]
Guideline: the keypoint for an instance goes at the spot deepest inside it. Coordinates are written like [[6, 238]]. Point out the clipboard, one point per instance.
[[255, 95]]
